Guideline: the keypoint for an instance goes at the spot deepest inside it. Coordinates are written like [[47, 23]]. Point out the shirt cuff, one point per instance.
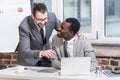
[[40, 54]]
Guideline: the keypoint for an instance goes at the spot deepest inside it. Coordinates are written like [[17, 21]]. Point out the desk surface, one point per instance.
[[33, 74]]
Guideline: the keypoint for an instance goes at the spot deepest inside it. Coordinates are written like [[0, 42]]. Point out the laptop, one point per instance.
[[75, 66]]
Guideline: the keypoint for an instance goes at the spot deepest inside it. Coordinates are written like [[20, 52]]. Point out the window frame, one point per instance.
[[101, 27]]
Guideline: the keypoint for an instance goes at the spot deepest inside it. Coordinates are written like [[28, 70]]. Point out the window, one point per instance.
[[80, 9], [46, 2], [112, 18]]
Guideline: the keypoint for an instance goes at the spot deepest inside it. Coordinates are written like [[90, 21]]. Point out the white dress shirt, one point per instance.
[[43, 29], [70, 47]]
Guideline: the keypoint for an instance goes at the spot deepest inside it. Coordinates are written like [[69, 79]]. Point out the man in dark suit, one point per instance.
[[34, 33], [74, 47]]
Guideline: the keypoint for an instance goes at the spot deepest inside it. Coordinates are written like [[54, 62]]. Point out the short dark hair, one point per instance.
[[39, 7], [75, 24]]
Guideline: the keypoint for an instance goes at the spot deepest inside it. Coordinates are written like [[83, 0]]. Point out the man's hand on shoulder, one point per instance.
[[81, 36]]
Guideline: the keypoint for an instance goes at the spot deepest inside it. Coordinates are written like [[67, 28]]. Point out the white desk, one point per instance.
[[11, 74]]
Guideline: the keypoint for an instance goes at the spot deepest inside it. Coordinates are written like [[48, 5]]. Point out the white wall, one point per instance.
[[11, 14]]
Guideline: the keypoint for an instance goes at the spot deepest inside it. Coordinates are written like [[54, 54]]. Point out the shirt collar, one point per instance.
[[70, 41], [39, 27]]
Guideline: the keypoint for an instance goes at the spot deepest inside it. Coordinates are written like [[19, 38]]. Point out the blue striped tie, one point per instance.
[[65, 49]]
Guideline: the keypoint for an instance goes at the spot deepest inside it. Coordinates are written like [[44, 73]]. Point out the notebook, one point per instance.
[[75, 66]]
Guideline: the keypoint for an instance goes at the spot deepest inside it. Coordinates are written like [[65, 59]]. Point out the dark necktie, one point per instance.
[[42, 35], [65, 49]]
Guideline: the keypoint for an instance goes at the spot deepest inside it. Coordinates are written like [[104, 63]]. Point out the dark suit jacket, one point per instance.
[[30, 41]]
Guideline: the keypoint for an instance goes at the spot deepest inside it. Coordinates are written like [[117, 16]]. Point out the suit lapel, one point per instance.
[[37, 35], [61, 48], [47, 29], [34, 30], [61, 51], [75, 47]]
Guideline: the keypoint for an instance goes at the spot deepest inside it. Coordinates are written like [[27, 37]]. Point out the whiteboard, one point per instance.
[[12, 12]]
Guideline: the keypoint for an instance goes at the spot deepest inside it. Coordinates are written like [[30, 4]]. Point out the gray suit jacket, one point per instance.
[[80, 49], [30, 41]]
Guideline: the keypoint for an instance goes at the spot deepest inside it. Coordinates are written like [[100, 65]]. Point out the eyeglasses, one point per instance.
[[41, 19]]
